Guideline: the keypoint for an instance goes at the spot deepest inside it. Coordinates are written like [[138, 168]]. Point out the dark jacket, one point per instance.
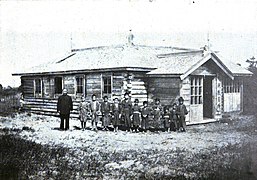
[[64, 104], [105, 108], [126, 107], [182, 110]]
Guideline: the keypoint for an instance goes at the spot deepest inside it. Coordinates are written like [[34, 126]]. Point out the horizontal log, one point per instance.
[[137, 83], [117, 83], [138, 88], [93, 76], [93, 86], [139, 96], [50, 110], [164, 91], [93, 91], [133, 91], [93, 81], [118, 77], [160, 84], [48, 100], [53, 114]]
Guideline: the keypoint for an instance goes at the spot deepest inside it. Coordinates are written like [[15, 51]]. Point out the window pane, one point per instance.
[[38, 85], [109, 81], [107, 87], [58, 85], [195, 100], [192, 100], [196, 81], [196, 90], [192, 81], [200, 81], [192, 90], [200, 91], [200, 100], [79, 81]]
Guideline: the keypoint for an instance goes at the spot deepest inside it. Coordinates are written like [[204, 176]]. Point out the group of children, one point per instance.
[[132, 116]]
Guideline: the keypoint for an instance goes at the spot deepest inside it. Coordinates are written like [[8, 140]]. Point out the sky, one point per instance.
[[36, 32]]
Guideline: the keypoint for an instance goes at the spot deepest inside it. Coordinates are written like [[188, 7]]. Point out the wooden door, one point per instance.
[[196, 99], [207, 97]]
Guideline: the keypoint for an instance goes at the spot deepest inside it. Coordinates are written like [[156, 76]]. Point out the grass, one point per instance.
[[22, 159]]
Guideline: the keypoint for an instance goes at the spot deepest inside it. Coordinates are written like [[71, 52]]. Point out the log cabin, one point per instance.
[[209, 85]]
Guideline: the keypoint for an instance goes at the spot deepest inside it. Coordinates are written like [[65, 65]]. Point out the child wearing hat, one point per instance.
[[182, 112], [136, 115]]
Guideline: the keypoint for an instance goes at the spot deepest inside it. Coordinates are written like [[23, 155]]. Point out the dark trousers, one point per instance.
[[64, 117], [183, 123], [127, 120], [144, 123]]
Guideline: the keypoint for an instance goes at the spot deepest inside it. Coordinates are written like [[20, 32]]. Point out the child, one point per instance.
[[182, 112], [136, 115], [83, 113], [174, 118], [106, 110], [145, 112], [116, 109], [166, 118], [126, 106], [157, 112], [94, 108]]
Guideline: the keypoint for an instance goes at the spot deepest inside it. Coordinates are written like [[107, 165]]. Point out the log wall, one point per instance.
[[165, 88], [93, 85], [27, 84], [47, 106], [185, 92]]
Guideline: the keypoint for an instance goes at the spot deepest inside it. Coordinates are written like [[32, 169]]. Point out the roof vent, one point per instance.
[[130, 38]]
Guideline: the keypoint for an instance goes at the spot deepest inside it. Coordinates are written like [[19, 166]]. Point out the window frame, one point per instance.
[[107, 86], [38, 87], [196, 90], [231, 86], [82, 85], [62, 85]]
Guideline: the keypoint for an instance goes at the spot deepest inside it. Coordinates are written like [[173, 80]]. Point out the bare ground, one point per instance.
[[212, 151]]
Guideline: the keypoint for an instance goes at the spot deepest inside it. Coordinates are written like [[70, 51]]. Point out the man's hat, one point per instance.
[[180, 99]]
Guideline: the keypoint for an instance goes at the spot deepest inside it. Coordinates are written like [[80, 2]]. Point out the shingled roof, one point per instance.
[[152, 59]]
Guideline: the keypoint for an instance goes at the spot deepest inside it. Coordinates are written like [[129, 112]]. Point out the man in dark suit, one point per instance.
[[64, 107]]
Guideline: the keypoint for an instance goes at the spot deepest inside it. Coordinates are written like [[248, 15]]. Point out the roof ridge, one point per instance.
[[178, 53], [138, 45]]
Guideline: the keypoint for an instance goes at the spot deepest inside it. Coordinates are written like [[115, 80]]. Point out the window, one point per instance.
[[107, 85], [79, 84], [231, 86], [38, 86], [58, 85], [196, 90]]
